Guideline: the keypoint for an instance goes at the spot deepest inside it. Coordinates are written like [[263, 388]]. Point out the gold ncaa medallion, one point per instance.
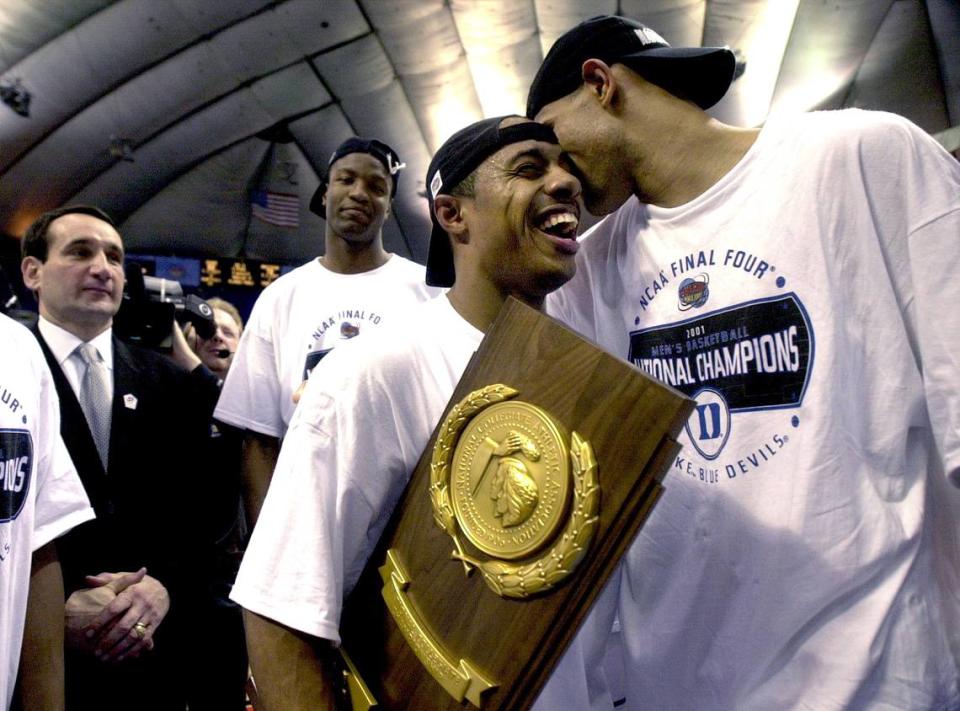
[[510, 463], [503, 477]]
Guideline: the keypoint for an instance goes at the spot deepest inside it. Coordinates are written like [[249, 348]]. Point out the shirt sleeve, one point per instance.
[[934, 263], [918, 194], [251, 393], [337, 473], [61, 501]]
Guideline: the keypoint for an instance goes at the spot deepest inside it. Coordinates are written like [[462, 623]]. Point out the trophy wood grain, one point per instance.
[[630, 419]]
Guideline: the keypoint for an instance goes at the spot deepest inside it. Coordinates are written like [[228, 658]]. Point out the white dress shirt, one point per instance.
[[63, 345]]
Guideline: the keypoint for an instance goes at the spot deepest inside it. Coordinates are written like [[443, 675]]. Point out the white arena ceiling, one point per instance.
[[167, 113]]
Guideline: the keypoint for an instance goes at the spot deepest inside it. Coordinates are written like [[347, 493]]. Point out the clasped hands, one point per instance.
[[116, 617]]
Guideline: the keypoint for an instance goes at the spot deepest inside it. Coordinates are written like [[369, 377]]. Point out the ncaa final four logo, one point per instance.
[[694, 292]]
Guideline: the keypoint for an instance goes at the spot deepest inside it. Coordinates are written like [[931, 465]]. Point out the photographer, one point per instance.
[[156, 314], [217, 351]]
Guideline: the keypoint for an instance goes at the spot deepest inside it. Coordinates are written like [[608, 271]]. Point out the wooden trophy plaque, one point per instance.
[[547, 461]]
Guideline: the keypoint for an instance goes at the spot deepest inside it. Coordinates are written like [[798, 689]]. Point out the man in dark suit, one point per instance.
[[135, 425]]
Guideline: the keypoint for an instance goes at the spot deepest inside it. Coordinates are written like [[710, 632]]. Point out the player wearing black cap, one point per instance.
[[791, 281], [628, 109], [354, 197], [354, 287], [505, 218], [527, 248]]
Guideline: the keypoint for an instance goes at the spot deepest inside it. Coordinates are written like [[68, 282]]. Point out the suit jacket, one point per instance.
[[147, 508], [150, 505]]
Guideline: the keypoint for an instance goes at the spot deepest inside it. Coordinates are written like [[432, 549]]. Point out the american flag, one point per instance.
[[281, 209]]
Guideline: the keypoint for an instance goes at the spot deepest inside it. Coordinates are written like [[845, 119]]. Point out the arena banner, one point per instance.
[[546, 463], [212, 271]]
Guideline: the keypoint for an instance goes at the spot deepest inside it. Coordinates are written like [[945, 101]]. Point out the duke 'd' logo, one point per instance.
[[709, 425]]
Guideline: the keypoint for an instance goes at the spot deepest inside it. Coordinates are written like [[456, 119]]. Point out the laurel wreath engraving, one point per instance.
[[515, 580]]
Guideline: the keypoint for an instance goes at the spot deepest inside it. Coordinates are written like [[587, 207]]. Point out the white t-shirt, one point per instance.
[[363, 421], [807, 303], [41, 496], [296, 321]]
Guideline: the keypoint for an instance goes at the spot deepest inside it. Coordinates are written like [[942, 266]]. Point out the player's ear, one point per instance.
[[599, 79], [450, 215]]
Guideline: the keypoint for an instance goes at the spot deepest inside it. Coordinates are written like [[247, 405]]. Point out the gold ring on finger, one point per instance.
[[140, 630]]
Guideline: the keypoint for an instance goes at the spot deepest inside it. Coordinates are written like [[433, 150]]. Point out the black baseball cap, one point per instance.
[[698, 74], [459, 156], [378, 149]]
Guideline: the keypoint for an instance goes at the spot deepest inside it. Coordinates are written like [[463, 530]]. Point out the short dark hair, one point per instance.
[[34, 242], [467, 187]]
